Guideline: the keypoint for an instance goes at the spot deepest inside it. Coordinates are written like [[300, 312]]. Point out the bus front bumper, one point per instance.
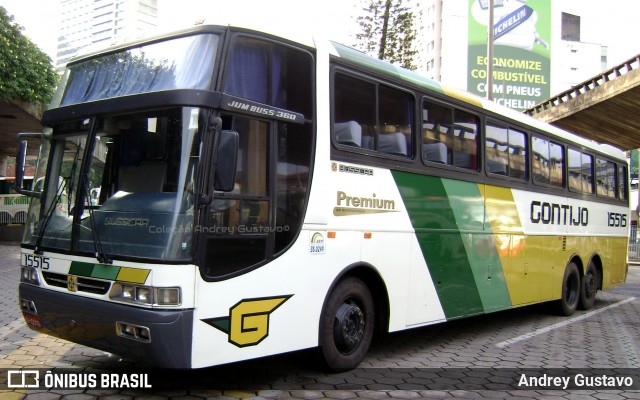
[[161, 338]]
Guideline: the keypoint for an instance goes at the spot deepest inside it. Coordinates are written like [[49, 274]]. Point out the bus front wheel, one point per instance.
[[570, 290], [346, 325]]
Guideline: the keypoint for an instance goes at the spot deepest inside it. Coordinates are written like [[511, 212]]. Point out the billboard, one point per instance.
[[521, 55]]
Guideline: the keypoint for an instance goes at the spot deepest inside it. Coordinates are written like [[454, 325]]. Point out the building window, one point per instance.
[[570, 27]]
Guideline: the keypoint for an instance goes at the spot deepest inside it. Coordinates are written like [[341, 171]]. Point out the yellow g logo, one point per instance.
[[248, 320], [72, 283]]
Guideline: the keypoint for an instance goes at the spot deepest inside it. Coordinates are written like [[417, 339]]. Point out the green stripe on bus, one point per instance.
[[441, 242], [105, 272], [468, 208], [80, 268]]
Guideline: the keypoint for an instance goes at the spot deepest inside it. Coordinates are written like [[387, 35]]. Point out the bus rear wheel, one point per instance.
[[589, 287], [570, 290], [346, 325]]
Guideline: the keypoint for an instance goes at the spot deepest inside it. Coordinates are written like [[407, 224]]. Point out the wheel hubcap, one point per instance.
[[590, 285], [348, 329]]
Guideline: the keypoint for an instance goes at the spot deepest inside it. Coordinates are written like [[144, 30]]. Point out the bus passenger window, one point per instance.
[[497, 156], [506, 151], [355, 111], [605, 178], [541, 161], [580, 171], [371, 116], [548, 162], [465, 140], [449, 136], [270, 73], [622, 182], [437, 122], [517, 154], [395, 110], [556, 166]]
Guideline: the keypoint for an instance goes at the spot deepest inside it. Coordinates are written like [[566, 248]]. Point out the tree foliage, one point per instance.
[[26, 72], [387, 32]]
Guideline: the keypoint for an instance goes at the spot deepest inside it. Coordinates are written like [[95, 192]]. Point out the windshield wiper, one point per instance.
[[101, 255], [47, 217], [49, 214]]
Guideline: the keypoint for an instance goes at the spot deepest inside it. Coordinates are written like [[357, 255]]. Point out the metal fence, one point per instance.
[[634, 244]]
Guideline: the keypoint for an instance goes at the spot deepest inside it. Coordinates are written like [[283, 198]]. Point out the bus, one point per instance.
[[13, 206], [221, 194]]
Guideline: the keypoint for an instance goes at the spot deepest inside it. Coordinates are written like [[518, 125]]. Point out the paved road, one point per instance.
[[460, 359]]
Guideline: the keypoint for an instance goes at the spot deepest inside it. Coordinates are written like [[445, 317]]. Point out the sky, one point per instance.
[[332, 18]]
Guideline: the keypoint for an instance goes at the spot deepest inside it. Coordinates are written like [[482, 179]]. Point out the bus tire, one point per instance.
[[589, 287], [570, 290], [347, 325]]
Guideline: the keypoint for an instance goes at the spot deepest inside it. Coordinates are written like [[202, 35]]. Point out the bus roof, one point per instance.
[[384, 68]]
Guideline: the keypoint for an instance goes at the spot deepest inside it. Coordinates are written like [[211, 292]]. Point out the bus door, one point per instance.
[[236, 231], [261, 213]]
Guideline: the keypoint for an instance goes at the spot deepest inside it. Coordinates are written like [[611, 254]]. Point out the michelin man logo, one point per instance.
[[248, 320]]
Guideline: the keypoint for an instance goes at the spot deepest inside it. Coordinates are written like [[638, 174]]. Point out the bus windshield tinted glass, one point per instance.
[[183, 63], [126, 193]]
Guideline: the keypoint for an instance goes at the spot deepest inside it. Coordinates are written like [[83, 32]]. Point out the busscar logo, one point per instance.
[[248, 320]]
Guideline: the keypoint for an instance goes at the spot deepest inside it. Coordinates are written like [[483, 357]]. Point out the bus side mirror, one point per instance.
[[226, 158], [21, 157]]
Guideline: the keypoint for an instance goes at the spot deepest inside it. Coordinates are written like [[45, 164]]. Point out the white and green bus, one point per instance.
[[13, 206], [222, 194]]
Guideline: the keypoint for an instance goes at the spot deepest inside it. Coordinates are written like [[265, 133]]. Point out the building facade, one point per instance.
[[88, 25]]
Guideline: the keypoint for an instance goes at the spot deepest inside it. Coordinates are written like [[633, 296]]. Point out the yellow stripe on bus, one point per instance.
[[530, 263], [133, 275]]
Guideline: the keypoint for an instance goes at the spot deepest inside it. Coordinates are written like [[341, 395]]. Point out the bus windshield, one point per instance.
[[182, 63], [120, 186]]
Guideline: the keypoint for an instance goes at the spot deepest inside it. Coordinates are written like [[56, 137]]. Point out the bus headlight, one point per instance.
[[127, 292], [29, 275], [145, 295]]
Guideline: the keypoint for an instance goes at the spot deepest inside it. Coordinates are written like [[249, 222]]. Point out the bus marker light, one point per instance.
[[331, 235], [168, 296], [367, 235]]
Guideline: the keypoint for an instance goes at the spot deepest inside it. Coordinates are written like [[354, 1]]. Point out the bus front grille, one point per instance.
[[88, 285]]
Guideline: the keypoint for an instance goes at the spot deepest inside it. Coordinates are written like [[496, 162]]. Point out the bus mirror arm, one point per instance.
[[204, 200], [21, 156]]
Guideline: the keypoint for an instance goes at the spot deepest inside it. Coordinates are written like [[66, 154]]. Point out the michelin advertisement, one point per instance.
[[522, 65]]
